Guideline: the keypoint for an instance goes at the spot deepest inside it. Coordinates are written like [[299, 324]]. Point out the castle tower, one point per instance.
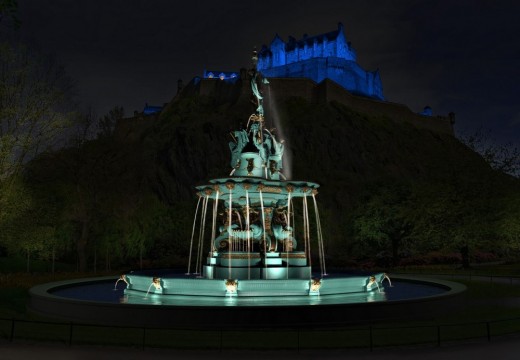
[[320, 57], [278, 51]]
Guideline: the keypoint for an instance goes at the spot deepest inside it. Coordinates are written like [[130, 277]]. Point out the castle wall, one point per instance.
[[344, 72], [344, 50], [329, 48], [317, 58], [306, 52], [291, 57], [280, 53]]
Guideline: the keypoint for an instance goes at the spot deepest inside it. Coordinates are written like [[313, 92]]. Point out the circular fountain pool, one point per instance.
[[96, 300]]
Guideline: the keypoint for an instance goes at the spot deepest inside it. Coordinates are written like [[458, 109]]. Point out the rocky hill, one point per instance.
[[389, 189]]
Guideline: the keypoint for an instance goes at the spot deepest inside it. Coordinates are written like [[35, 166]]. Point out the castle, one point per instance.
[[319, 69], [320, 57]]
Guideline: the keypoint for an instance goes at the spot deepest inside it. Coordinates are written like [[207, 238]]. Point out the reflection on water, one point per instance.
[[183, 300], [105, 292]]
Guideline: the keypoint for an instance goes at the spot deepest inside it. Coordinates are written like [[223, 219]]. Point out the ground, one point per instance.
[[503, 349]]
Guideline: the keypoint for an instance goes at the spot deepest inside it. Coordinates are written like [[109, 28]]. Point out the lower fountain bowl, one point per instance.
[[95, 300]]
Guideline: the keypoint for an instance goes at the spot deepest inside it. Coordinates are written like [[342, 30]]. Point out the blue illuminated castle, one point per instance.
[[222, 75], [320, 57]]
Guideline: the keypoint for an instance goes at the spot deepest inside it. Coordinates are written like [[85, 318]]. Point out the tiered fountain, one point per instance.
[[252, 249]]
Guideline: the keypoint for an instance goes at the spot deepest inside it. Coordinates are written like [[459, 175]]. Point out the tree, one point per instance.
[[107, 123], [501, 157], [509, 225], [8, 9], [89, 180], [383, 223], [33, 95], [83, 129], [14, 203]]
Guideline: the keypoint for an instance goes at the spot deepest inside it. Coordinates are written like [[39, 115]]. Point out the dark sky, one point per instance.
[[459, 56]]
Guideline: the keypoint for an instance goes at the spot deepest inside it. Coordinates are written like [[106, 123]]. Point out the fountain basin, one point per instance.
[[273, 190], [214, 312]]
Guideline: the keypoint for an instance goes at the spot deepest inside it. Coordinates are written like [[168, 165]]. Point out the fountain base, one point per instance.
[[277, 285], [83, 303], [271, 266]]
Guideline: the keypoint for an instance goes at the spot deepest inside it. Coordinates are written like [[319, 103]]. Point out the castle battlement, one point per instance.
[[320, 57]]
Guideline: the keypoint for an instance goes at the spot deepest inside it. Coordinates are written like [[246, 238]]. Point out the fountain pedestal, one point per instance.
[[273, 265]]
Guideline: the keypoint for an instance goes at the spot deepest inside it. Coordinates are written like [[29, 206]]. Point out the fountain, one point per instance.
[[255, 265], [253, 242]]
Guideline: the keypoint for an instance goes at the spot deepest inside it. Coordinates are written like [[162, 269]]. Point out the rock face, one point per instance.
[[352, 150], [330, 142]]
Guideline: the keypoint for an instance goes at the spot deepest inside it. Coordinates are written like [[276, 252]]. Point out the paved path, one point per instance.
[[500, 349]]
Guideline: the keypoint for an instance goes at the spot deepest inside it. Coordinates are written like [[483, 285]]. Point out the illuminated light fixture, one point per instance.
[[156, 282], [314, 288], [231, 287]]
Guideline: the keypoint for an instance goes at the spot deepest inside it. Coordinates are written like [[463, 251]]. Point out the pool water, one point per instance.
[[105, 292]]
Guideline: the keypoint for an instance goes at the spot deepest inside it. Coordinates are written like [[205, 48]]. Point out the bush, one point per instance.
[[484, 257], [432, 258]]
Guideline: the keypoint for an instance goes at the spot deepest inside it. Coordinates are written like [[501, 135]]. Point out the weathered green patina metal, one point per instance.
[[253, 243], [255, 231]]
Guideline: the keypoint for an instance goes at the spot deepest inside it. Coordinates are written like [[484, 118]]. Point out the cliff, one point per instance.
[[327, 131]]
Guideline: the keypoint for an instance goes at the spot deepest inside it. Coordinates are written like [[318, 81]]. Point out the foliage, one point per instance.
[[14, 202], [435, 218], [30, 230], [389, 192], [34, 93], [33, 96], [35, 117], [432, 258], [383, 223], [501, 157], [508, 225], [107, 123], [8, 10]]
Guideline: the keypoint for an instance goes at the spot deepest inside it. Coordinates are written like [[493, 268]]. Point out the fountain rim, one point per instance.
[[297, 188], [234, 317], [44, 290]]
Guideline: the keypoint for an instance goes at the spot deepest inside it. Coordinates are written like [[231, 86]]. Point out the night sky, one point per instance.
[[460, 56]]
